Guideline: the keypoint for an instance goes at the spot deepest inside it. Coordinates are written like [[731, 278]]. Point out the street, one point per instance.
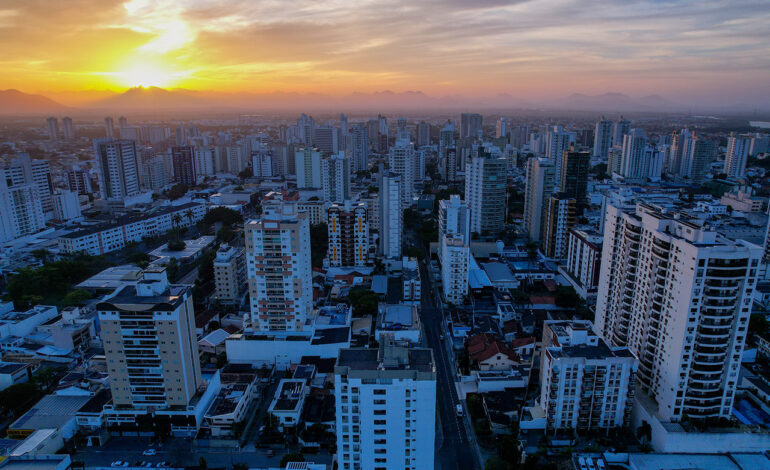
[[456, 450]]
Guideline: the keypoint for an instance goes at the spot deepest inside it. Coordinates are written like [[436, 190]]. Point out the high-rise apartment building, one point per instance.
[[52, 126], [559, 219], [23, 170], [541, 183], [678, 295], [122, 122], [585, 384], [575, 168], [279, 273], [737, 154], [150, 346], [79, 181], [470, 125], [385, 403], [67, 128], [118, 164], [308, 166], [676, 150], [359, 151], [620, 128], [401, 161], [423, 133], [640, 160], [454, 218], [558, 141], [485, 193], [501, 128], [391, 214], [584, 255], [326, 140], [348, 229], [183, 160], [335, 178], [21, 212], [229, 274], [697, 155], [109, 127], [455, 256], [603, 138]]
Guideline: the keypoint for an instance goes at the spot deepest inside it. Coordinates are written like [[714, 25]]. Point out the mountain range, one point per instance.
[[153, 99]]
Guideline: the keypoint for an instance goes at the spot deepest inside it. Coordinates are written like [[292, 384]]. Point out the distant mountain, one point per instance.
[[614, 102], [152, 99], [18, 103]]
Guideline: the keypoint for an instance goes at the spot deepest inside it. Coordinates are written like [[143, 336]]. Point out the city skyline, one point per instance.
[[684, 51]]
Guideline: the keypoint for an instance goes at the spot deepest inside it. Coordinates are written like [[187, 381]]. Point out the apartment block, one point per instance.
[[678, 295], [585, 384], [229, 273], [348, 230], [385, 402]]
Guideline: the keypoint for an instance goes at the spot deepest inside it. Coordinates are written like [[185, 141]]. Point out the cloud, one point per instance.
[[531, 48]]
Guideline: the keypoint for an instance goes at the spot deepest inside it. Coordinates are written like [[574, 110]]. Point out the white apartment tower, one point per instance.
[[118, 163], [678, 295], [67, 128], [391, 215], [737, 155], [401, 161], [21, 212], [348, 229], [385, 402], [308, 167], [455, 256], [454, 218], [485, 193], [541, 183], [278, 267], [585, 384], [502, 127], [335, 176], [52, 126], [557, 142]]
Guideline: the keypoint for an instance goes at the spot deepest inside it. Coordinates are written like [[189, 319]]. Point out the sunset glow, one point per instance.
[[683, 50]]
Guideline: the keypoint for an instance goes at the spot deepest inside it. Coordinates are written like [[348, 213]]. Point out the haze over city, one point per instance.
[[701, 54], [385, 235]]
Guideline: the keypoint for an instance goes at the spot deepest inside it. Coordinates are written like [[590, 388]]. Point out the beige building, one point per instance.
[[229, 273], [148, 332]]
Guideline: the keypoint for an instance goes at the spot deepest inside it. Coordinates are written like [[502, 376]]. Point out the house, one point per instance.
[[214, 342], [489, 353], [288, 402], [523, 347]]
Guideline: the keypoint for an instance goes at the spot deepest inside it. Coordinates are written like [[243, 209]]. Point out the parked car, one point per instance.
[[119, 463], [459, 409], [149, 452]]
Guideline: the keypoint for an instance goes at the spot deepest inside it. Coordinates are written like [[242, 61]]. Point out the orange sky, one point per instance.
[[695, 50]]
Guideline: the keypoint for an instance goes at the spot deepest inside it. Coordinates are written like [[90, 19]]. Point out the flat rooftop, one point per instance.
[[128, 299]]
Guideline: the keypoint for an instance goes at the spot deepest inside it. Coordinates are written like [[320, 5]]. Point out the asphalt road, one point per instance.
[[455, 451]]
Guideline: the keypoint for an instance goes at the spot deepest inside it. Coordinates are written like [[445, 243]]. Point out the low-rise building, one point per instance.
[[239, 388], [287, 404], [410, 274], [399, 320]]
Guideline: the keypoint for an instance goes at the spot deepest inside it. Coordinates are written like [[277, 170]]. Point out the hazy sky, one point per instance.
[[684, 50]]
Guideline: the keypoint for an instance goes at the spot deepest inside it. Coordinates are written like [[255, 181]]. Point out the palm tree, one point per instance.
[[176, 219], [189, 214]]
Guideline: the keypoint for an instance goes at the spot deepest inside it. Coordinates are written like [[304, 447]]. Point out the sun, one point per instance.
[[146, 75]]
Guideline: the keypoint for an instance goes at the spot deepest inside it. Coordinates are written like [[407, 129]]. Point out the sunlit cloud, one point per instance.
[[685, 49]]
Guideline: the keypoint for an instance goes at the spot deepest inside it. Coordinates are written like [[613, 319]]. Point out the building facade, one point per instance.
[[348, 228], [678, 295]]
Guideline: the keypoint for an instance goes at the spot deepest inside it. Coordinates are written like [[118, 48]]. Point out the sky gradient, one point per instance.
[[717, 51]]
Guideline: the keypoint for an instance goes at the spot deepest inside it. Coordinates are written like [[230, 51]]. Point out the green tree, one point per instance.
[[176, 245], [223, 215], [291, 457], [172, 269], [75, 297], [363, 301], [15, 398], [177, 191]]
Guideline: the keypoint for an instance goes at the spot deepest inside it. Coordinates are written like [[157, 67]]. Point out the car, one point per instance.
[[270, 452], [441, 336], [149, 452], [162, 464], [459, 410], [119, 463]]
